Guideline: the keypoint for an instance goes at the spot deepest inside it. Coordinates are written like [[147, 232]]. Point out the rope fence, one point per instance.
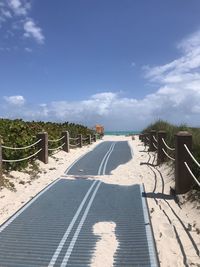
[[155, 139], [18, 160], [74, 143], [57, 148], [22, 148], [43, 147], [192, 174], [56, 140], [187, 168], [168, 155], [168, 147], [192, 157], [73, 139], [195, 161], [71, 145], [155, 146]]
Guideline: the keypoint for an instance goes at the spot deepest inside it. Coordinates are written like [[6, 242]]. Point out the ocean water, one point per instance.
[[121, 132]]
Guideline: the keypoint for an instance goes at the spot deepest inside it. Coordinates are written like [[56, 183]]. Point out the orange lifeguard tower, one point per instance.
[[99, 129]]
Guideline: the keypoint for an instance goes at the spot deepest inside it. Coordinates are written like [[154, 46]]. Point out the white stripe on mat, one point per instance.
[[76, 234], [67, 232]]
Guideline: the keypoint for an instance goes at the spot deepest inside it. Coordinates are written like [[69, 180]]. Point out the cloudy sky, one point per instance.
[[121, 63]]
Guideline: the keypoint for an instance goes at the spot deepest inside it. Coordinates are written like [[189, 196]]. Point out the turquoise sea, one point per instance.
[[121, 132]]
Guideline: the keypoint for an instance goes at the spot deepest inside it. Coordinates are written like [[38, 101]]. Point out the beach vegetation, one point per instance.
[[20, 133]]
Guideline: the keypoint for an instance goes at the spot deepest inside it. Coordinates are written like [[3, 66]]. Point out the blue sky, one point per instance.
[[122, 63]]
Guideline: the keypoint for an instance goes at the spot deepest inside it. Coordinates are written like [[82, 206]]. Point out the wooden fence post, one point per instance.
[[1, 182], [80, 140], [43, 144], [183, 179], [66, 141], [89, 139], [161, 155], [146, 142], [152, 134], [141, 137]]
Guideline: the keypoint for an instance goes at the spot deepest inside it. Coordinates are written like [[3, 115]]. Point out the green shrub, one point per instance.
[[19, 133]]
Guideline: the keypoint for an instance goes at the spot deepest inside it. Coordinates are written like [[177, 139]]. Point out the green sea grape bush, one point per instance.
[[171, 130], [19, 133]]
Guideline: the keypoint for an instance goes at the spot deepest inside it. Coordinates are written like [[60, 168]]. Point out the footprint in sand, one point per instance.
[[105, 246]]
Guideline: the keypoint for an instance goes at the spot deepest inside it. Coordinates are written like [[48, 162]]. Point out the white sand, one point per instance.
[[170, 222], [106, 246]]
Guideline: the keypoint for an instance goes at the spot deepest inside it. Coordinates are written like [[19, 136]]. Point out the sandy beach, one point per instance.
[[176, 226]]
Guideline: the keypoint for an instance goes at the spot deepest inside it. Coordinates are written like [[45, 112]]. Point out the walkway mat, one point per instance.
[[56, 227]]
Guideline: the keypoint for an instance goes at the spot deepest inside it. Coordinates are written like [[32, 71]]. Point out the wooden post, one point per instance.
[[161, 155], [43, 144], [66, 141], [183, 179], [152, 134], [95, 137], [80, 140], [146, 142], [1, 178], [89, 139]]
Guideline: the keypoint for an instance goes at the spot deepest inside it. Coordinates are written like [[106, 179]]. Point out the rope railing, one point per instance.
[[170, 148], [167, 154], [56, 140], [155, 139], [192, 157], [44, 147], [192, 174], [74, 139], [18, 160], [22, 148], [155, 146], [187, 168], [195, 161], [57, 148], [71, 145]]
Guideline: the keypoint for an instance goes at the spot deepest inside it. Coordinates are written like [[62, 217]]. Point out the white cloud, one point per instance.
[[113, 111], [33, 31], [16, 100], [6, 13], [19, 7], [189, 43], [176, 99], [183, 69], [27, 49], [18, 13]]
